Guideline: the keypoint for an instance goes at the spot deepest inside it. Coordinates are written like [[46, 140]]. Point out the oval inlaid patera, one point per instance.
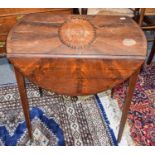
[[77, 33]]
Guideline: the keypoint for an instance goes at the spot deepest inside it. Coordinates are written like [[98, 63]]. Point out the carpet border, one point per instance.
[[106, 120]]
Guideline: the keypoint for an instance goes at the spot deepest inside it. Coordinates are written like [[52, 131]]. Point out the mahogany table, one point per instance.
[[76, 55]]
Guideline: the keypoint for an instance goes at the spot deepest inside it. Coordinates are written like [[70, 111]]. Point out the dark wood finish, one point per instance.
[[76, 11], [10, 16], [129, 94], [84, 11], [24, 100], [149, 20], [152, 53], [73, 76], [142, 12], [112, 92], [76, 55], [40, 91], [136, 14]]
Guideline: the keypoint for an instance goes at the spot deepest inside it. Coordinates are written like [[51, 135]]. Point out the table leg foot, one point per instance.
[[131, 87], [40, 92], [24, 100], [112, 92]]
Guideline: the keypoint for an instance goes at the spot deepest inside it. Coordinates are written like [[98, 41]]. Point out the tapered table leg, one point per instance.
[[152, 53], [24, 99], [131, 87]]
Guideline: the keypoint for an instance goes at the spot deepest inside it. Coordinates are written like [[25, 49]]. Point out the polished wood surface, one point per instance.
[[76, 55], [47, 47], [10, 16], [112, 36], [75, 76]]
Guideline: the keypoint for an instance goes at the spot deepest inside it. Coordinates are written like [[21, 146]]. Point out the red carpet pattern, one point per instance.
[[141, 116]]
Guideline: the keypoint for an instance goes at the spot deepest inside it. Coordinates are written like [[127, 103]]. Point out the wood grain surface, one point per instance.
[[39, 34], [76, 55], [10, 16], [76, 76], [20, 11]]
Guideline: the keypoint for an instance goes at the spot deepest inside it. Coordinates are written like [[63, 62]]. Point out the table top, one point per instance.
[[76, 36], [74, 54]]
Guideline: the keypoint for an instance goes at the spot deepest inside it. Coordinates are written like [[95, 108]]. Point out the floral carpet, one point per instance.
[[141, 117], [56, 119]]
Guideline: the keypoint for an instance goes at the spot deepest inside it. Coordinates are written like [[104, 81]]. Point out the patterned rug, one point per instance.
[[142, 111], [56, 120]]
